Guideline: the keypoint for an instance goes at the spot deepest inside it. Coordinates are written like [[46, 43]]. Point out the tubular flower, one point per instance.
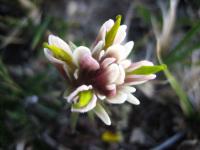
[[102, 73]]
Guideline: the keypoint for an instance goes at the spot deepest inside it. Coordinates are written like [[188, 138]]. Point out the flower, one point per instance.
[[102, 73]]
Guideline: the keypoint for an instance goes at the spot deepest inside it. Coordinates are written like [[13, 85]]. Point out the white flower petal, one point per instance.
[[116, 51], [76, 91], [108, 24], [102, 114], [76, 73], [138, 79], [111, 87], [128, 89], [125, 63], [79, 52], [100, 96], [51, 58], [139, 64], [121, 34], [106, 62], [112, 73], [54, 40], [121, 76], [97, 48], [60, 65], [120, 98], [101, 54], [128, 48], [104, 29], [68, 71], [133, 100]]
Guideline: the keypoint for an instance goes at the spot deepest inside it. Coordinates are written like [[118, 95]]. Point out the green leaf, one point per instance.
[[182, 54], [183, 98], [59, 53], [84, 98], [180, 47], [110, 36], [39, 33], [73, 120], [147, 70], [184, 101], [144, 13]]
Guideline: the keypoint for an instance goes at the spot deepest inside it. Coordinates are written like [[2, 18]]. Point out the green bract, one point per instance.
[[110, 36], [84, 98], [147, 70], [59, 53]]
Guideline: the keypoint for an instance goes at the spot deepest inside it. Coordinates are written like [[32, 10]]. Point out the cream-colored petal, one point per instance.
[[121, 76], [70, 97], [125, 63], [101, 54], [133, 100], [108, 24], [116, 51], [128, 89], [106, 62], [102, 34], [68, 71], [60, 65], [138, 79], [54, 40], [76, 73], [111, 87], [121, 34], [112, 73], [79, 52], [128, 48], [51, 58], [102, 114], [120, 98], [98, 47], [100, 96], [104, 29], [91, 105], [139, 64]]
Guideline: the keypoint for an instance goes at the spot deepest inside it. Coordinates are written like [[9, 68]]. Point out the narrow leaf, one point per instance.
[[186, 39], [147, 70], [184, 101], [39, 33], [180, 55], [73, 120]]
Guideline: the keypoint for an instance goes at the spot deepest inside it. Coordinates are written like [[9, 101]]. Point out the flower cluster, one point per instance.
[[101, 73]]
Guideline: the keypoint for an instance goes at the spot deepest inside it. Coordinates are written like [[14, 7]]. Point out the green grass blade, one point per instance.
[[179, 56], [186, 39], [40, 32], [185, 103]]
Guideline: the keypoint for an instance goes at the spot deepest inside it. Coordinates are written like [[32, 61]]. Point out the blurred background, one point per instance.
[[34, 116]]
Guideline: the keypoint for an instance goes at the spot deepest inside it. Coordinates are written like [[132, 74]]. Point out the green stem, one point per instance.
[[186, 105]]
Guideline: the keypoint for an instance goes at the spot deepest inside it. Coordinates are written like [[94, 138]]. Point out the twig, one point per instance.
[[170, 142]]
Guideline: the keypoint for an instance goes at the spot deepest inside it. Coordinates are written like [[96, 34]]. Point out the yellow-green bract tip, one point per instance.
[[45, 45], [119, 17]]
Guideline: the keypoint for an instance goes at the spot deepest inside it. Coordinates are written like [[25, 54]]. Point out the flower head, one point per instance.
[[102, 73]]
